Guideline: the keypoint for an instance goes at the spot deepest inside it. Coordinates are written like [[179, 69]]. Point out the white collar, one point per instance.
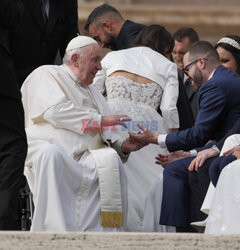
[[71, 74], [211, 74]]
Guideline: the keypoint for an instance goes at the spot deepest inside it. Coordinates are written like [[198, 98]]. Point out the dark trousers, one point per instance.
[[177, 204], [199, 183], [218, 165], [13, 149]]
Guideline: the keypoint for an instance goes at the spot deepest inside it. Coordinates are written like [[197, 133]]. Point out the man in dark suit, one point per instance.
[[106, 25], [13, 145], [183, 38], [47, 26], [219, 109]]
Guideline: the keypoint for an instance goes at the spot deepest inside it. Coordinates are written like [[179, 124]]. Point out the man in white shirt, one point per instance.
[[70, 159]]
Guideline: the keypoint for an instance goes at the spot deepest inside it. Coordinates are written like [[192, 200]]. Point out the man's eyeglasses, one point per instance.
[[185, 69]]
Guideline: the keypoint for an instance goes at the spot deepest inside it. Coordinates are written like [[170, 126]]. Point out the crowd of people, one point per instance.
[[145, 138]]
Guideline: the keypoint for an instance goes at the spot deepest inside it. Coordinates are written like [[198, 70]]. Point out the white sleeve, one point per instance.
[[99, 81], [69, 116], [169, 99], [193, 152], [162, 140]]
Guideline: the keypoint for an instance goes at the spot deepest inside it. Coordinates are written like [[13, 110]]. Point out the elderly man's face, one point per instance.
[[89, 64], [179, 50], [103, 35]]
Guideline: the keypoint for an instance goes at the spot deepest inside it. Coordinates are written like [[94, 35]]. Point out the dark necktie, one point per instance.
[[44, 11], [187, 85]]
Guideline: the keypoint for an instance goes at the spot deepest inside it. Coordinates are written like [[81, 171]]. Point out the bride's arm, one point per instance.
[[169, 99]]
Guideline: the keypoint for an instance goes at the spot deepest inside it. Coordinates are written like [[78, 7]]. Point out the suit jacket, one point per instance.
[[36, 43], [127, 34], [219, 109], [186, 118], [191, 95], [11, 111], [11, 13], [234, 130]]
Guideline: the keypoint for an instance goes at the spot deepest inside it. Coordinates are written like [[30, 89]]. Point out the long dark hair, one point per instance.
[[155, 37]]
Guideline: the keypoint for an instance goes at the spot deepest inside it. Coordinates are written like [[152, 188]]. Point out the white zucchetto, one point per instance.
[[79, 42]]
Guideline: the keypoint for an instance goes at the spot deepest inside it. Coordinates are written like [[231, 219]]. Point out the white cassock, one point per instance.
[[224, 205], [68, 167], [231, 142]]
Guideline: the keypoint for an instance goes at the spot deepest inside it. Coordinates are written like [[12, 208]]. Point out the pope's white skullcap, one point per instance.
[[79, 42]]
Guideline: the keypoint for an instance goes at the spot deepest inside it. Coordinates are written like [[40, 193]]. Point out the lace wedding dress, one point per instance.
[[140, 103]]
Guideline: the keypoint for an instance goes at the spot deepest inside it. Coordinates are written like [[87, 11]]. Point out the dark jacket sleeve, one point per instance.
[[72, 25], [234, 130], [212, 103]]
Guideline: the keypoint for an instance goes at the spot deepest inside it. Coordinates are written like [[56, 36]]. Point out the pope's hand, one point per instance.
[[236, 153], [112, 120], [231, 151]]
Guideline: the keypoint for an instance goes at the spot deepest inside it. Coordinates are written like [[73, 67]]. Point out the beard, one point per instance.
[[198, 79], [111, 44]]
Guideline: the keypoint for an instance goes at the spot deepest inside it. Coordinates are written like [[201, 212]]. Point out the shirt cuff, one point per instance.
[[193, 152], [216, 148], [162, 140]]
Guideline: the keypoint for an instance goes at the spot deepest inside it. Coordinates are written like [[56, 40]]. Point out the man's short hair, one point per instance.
[[99, 12], [186, 32], [203, 49]]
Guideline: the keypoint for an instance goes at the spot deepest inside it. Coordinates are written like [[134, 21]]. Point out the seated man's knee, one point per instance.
[[179, 167]]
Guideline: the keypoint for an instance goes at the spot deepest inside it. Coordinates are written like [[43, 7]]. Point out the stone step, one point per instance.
[[121, 241]]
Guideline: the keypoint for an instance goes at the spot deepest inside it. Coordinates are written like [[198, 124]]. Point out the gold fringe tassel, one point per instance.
[[112, 219]]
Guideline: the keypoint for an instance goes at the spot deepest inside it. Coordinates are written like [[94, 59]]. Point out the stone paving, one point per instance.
[[121, 241]]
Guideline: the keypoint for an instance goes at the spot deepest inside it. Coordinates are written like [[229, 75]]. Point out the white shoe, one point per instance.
[[199, 225], [202, 223]]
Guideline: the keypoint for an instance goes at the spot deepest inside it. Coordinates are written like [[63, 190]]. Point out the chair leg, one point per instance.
[[27, 208]]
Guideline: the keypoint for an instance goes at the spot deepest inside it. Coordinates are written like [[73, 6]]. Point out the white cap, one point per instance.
[[79, 42]]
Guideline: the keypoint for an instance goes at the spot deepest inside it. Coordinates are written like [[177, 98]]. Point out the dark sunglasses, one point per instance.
[[185, 69]]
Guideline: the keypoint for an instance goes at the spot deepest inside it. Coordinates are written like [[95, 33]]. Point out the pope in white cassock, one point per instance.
[[73, 166]]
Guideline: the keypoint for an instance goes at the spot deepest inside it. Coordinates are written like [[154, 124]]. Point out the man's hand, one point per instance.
[[231, 151], [146, 137], [112, 120], [130, 145], [168, 158], [201, 157]]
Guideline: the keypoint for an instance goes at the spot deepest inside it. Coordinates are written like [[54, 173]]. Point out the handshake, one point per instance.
[[135, 141]]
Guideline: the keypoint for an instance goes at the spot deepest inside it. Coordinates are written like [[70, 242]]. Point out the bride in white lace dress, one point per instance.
[[137, 81]]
